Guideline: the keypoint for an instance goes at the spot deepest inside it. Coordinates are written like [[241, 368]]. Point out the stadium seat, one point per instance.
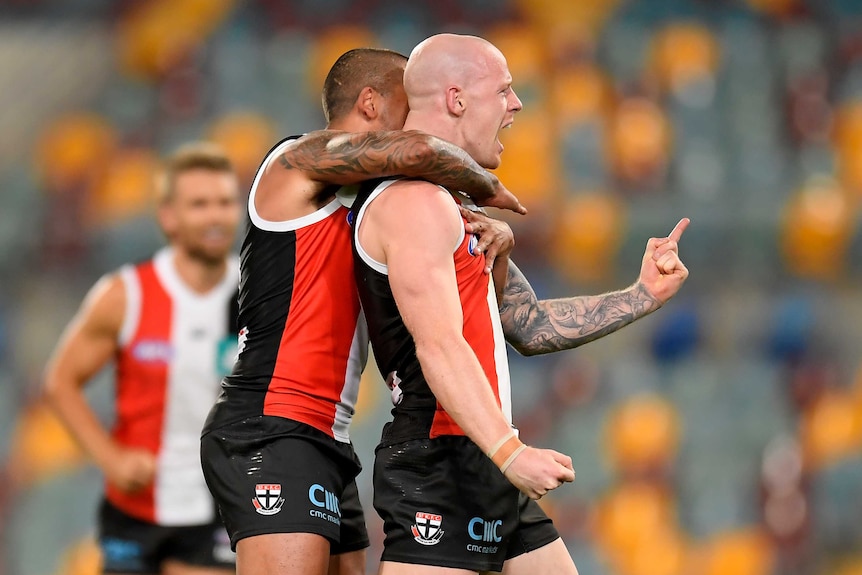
[[745, 551], [641, 435], [328, 46], [245, 137], [72, 149], [817, 225], [126, 188], [682, 53], [589, 231]]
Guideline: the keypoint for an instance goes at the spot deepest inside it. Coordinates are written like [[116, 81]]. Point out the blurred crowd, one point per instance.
[[721, 435]]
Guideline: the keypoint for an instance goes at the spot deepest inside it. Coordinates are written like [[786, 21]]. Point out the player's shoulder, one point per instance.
[[105, 303]]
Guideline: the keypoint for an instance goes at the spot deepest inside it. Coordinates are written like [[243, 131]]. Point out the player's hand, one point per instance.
[[131, 470], [502, 198], [495, 237], [537, 471], [662, 272]]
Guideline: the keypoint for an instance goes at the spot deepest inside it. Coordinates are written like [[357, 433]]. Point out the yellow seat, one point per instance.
[[158, 34], [745, 551], [682, 52], [72, 150], [589, 233], [816, 230], [629, 517], [831, 430], [81, 558], [245, 137], [41, 447], [524, 50], [847, 139], [529, 163], [125, 189], [578, 93], [642, 433], [329, 45], [639, 140]]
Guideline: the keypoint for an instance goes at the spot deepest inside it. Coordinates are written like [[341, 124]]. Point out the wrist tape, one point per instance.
[[504, 452]]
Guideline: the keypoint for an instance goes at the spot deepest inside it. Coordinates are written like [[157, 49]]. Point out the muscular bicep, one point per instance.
[[90, 340], [421, 230]]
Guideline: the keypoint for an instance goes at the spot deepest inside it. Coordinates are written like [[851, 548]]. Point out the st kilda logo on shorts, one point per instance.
[[426, 529], [267, 498]]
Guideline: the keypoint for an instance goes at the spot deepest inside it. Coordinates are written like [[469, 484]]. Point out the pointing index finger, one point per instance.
[[677, 231]]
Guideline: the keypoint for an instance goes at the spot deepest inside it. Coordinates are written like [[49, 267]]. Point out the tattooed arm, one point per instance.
[[535, 327], [344, 158]]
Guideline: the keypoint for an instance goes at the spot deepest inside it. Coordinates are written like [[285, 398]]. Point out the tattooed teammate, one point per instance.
[[276, 450]]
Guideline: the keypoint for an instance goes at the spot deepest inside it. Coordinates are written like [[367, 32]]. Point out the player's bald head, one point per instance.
[[444, 60]]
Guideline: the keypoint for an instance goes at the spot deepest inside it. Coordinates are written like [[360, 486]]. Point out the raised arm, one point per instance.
[[535, 327], [417, 230], [344, 158], [89, 343]]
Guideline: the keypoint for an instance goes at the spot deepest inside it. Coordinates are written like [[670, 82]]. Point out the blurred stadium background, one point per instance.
[[722, 435]]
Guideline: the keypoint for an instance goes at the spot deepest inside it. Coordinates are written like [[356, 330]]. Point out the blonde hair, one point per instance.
[[192, 156]]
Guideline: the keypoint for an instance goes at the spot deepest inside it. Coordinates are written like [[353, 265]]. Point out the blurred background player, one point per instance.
[[168, 324]]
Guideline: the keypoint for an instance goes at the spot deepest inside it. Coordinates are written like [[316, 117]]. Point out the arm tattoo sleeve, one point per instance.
[[536, 327], [345, 158]]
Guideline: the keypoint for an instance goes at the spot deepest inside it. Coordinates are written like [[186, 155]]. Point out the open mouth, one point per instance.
[[505, 126]]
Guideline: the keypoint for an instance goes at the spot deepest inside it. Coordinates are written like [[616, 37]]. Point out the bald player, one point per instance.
[[445, 505]]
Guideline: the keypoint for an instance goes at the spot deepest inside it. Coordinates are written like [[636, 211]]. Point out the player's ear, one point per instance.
[[455, 101], [367, 103]]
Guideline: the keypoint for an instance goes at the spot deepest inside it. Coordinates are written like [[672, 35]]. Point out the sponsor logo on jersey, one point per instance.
[[122, 553], [324, 499], [267, 498], [241, 339], [153, 351], [393, 382], [226, 354], [426, 528], [472, 243]]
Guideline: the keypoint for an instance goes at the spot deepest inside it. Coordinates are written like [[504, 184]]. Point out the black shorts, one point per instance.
[[444, 503], [535, 529], [274, 475], [130, 545]]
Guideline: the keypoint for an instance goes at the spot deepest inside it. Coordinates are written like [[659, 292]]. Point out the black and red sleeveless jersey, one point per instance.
[[416, 412], [302, 337]]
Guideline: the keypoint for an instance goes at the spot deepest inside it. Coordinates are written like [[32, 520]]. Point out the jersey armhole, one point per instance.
[[371, 262], [132, 314]]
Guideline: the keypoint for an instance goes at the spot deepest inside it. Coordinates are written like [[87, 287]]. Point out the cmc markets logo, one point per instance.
[[487, 532], [324, 499]]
